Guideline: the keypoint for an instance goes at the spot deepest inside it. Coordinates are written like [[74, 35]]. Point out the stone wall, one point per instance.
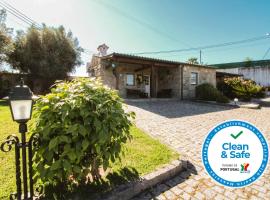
[[100, 69], [8, 80], [122, 70], [115, 78], [169, 78], [205, 75]]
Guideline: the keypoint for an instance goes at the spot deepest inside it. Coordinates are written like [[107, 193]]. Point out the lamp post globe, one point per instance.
[[21, 103]]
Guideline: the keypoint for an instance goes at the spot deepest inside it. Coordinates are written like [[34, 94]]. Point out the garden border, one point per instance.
[[131, 189], [250, 105]]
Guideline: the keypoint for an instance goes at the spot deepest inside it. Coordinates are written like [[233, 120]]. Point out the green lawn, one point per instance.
[[142, 155]]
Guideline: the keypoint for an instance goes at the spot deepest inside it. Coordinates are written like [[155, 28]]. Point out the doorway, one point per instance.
[[146, 82]]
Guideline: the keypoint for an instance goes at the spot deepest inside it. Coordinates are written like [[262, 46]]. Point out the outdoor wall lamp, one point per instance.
[[21, 104], [235, 101]]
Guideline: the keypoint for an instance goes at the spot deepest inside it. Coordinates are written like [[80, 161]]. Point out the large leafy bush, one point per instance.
[[208, 92], [241, 88], [82, 126]]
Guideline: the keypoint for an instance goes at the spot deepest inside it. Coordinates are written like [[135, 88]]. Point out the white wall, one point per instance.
[[260, 75], [231, 70]]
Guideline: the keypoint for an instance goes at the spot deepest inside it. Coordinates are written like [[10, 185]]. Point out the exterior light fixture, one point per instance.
[[235, 101], [21, 103]]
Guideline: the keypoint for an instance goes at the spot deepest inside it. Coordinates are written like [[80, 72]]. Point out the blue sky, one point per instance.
[[129, 26]]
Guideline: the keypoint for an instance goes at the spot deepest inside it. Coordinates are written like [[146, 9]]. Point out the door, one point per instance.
[[146, 80]]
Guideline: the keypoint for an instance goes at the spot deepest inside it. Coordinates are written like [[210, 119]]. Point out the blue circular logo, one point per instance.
[[235, 153]]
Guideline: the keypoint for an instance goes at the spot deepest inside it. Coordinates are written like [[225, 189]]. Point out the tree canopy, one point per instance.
[[46, 54], [5, 37], [248, 62], [193, 60]]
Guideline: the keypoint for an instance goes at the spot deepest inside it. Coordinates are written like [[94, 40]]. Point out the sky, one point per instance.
[[132, 26]]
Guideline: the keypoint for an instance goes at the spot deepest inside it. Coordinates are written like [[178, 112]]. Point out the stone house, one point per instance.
[[135, 76]]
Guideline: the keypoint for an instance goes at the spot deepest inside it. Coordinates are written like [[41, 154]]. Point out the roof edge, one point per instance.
[[241, 64], [115, 54]]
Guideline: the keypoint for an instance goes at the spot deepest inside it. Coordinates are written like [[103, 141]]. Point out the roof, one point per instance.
[[256, 63], [223, 74], [129, 56]]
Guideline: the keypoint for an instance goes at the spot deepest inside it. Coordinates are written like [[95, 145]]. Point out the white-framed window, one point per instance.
[[194, 78], [130, 79]]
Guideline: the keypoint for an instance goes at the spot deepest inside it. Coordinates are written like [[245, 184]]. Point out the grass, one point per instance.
[[7, 161], [143, 154]]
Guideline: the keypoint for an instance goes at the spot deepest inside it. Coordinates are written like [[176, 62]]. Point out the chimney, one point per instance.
[[102, 50]]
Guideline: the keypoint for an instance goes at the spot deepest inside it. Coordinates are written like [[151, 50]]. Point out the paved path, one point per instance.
[[183, 126]]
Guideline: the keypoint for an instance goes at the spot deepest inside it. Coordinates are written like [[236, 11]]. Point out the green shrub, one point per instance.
[[208, 92], [243, 88], [82, 126], [225, 89], [220, 98]]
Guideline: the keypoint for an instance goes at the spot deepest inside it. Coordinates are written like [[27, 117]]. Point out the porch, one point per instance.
[[140, 79], [148, 82]]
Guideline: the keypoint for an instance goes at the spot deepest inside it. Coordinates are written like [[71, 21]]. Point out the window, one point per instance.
[[194, 78], [130, 80]]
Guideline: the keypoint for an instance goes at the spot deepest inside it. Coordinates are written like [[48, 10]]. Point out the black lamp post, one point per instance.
[[21, 103]]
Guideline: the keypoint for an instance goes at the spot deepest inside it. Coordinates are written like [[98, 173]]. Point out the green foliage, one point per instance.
[[208, 92], [225, 89], [220, 98], [5, 37], [242, 88], [136, 162], [46, 54], [193, 60], [82, 126], [248, 62]]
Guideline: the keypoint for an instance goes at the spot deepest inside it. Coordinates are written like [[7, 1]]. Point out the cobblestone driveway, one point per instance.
[[183, 126]]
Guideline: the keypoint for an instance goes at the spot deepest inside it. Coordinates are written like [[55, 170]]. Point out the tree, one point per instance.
[[248, 62], [46, 54], [193, 60], [5, 37], [247, 59]]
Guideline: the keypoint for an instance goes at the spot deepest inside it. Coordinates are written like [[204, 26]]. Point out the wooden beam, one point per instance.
[[153, 85], [132, 61], [144, 62], [141, 69], [164, 65]]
